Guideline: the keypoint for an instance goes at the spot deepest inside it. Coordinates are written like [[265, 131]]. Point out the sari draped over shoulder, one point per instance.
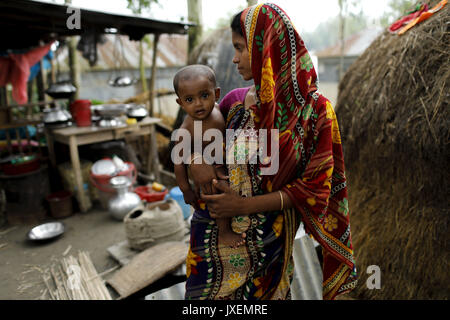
[[310, 170]]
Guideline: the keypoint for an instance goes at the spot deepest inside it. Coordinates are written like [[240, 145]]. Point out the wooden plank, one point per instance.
[[122, 253], [93, 138], [19, 124], [74, 157]]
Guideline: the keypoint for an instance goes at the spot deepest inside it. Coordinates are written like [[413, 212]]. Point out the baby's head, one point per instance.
[[195, 86]]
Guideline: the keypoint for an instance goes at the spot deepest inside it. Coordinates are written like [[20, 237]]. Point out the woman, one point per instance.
[[309, 186]]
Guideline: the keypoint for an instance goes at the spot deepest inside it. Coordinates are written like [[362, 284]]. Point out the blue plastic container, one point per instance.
[[176, 194]]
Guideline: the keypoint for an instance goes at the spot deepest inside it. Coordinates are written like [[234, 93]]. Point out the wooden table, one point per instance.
[[78, 136]]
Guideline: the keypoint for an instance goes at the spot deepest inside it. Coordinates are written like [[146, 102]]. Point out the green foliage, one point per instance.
[[397, 9], [137, 6], [327, 33]]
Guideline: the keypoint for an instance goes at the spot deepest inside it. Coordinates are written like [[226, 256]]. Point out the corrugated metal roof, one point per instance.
[[306, 284], [354, 45], [172, 51], [23, 23]]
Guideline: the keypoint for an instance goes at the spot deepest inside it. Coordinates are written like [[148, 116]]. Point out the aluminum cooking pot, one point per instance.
[[56, 115], [137, 112], [61, 90]]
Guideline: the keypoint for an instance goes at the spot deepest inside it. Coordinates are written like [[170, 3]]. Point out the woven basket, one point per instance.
[[159, 222]]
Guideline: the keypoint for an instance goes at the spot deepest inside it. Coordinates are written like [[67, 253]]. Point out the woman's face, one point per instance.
[[241, 58]]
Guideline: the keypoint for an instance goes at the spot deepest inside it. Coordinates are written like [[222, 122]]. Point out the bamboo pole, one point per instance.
[[153, 75]]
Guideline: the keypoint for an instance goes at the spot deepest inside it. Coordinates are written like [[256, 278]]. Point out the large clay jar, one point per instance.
[[125, 201]]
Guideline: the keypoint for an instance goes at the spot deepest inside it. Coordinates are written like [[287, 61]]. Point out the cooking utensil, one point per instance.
[[122, 81], [110, 110], [56, 115], [46, 231], [61, 90], [125, 201], [104, 167], [137, 112]]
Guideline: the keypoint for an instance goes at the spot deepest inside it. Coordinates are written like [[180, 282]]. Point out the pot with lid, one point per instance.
[[137, 112], [56, 116]]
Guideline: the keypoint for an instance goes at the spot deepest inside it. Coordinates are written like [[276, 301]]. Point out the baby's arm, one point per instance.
[[190, 197], [215, 171]]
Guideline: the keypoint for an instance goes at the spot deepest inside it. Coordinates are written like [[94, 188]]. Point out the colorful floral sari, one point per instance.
[[311, 171]]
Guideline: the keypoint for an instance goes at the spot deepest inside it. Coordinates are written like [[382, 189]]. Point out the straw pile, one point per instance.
[[393, 111], [75, 279]]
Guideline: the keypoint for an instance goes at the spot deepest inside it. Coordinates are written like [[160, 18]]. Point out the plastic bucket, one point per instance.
[[60, 204], [176, 194]]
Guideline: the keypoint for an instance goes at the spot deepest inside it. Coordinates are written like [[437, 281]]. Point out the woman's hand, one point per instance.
[[226, 204]]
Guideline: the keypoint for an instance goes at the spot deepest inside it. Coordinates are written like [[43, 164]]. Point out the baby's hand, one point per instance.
[[191, 198], [221, 172]]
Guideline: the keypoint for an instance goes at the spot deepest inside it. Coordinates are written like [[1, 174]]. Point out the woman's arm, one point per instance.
[[230, 204]]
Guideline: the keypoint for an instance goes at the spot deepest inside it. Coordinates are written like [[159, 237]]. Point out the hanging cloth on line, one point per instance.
[[15, 69]]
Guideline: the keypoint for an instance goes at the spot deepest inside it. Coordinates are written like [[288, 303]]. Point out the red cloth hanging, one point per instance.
[[15, 69]]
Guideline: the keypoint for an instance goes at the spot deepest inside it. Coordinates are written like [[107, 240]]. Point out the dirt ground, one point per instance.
[[22, 262]]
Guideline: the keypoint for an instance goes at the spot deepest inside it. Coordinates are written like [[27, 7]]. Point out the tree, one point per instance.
[[137, 6], [327, 33], [396, 9], [195, 16]]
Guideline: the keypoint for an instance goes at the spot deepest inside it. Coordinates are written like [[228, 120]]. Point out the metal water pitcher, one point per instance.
[[125, 200]]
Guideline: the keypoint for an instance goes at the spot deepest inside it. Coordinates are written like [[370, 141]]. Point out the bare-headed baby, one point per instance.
[[195, 86]]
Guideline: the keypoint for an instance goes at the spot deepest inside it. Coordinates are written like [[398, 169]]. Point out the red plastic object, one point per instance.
[[81, 112], [21, 168], [101, 181], [144, 194]]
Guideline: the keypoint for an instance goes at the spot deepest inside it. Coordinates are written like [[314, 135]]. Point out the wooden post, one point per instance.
[[74, 68], [142, 65], [151, 94]]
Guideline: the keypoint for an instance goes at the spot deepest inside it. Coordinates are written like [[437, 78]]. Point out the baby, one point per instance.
[[195, 86]]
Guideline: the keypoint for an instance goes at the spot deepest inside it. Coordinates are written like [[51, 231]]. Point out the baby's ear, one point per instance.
[[179, 101], [217, 91]]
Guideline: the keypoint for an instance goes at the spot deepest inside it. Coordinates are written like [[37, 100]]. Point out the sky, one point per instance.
[[305, 14]]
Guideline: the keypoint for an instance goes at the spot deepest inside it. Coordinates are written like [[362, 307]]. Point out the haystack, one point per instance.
[[393, 111]]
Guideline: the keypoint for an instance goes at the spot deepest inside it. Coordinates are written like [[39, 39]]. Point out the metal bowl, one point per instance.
[[46, 231], [110, 110], [137, 112]]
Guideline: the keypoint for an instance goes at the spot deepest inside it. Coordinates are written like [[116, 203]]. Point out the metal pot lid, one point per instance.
[[120, 182], [104, 167]]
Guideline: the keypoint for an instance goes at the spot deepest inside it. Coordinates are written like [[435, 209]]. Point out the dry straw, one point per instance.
[[63, 283], [393, 111]]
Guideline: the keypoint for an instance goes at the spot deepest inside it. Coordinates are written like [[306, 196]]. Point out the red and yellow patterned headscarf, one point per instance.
[[311, 164]]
